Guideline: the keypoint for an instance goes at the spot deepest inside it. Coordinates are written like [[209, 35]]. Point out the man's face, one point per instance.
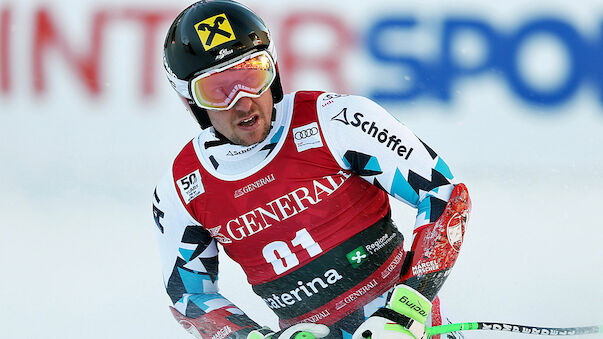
[[247, 122]]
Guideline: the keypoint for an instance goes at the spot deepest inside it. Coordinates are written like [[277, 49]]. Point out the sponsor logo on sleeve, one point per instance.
[[382, 135], [330, 98], [455, 230], [190, 186], [423, 268], [307, 137]]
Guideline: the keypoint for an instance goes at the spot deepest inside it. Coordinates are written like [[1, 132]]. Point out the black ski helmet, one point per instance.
[[209, 33]]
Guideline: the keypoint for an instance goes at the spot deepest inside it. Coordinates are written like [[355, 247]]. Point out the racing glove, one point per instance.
[[403, 317], [297, 331]]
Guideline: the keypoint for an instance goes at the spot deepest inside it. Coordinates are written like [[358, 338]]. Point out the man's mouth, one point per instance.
[[249, 121]]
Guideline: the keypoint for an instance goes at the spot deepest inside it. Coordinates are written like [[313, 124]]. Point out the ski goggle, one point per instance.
[[219, 89]]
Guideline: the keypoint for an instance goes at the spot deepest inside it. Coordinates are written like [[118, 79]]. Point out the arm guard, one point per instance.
[[436, 245]]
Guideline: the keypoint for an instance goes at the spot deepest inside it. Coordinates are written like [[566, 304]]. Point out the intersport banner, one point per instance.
[[394, 53], [530, 70]]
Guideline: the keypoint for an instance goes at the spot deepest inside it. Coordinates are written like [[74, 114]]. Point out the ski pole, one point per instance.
[[488, 326], [513, 328]]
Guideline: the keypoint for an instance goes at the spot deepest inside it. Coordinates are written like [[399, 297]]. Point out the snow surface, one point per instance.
[[87, 267]]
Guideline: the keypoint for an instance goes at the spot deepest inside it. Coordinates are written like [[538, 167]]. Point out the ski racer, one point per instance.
[[295, 188]]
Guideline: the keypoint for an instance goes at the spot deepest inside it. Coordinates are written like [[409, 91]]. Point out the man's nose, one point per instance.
[[244, 104]]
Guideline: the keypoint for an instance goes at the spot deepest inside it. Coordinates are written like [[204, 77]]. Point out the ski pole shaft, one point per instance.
[[513, 328]]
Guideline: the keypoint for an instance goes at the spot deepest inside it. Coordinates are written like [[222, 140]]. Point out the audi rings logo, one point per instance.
[[307, 137], [306, 133]]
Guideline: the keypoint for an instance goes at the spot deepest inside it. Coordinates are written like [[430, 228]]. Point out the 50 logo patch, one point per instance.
[[190, 186]]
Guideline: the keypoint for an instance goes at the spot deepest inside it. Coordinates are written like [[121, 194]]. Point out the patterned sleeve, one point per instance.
[[189, 259], [364, 138]]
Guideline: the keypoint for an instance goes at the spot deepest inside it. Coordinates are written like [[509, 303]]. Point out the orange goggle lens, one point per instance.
[[220, 89]]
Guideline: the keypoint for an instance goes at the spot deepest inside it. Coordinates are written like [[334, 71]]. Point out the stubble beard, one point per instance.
[[239, 141]]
